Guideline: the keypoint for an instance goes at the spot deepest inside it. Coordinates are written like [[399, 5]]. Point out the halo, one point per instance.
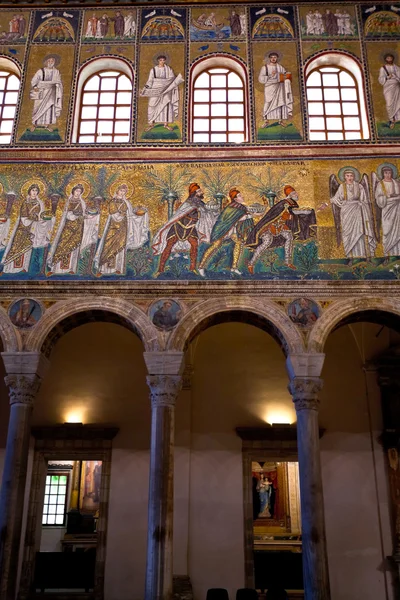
[[387, 165], [57, 58], [392, 52], [155, 61], [356, 172], [117, 184], [73, 183], [27, 185], [273, 51]]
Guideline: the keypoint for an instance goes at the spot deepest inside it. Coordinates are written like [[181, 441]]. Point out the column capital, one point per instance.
[[305, 392], [164, 363], [22, 388], [164, 389]]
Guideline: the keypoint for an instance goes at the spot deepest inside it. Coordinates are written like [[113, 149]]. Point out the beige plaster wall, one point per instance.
[[239, 371], [354, 479]]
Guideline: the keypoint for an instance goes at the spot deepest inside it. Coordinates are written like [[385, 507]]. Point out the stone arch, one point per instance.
[[64, 316], [344, 309], [9, 335], [267, 315]]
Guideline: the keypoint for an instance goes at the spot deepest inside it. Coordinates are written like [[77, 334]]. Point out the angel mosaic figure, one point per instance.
[[386, 188], [352, 212]]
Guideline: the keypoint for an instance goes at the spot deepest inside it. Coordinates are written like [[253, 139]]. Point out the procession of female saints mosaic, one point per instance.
[[192, 232]]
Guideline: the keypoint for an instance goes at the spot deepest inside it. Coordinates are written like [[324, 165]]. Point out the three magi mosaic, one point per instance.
[[272, 46], [177, 221]]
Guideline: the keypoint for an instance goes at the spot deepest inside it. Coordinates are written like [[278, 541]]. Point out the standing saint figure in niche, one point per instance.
[[31, 233], [352, 212], [46, 93], [389, 78], [278, 97], [76, 232], [264, 489], [162, 90], [386, 188], [126, 228]]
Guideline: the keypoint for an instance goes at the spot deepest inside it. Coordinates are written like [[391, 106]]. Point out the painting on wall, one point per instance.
[[381, 21], [303, 312], [165, 314], [272, 22], [25, 313], [161, 93], [218, 23], [46, 94], [276, 502], [89, 497], [195, 221], [14, 26], [277, 96], [328, 21], [109, 25], [55, 26], [161, 25], [384, 72]]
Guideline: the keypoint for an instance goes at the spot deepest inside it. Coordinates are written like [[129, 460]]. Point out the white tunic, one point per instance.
[[277, 94], [356, 220], [162, 90], [387, 196], [47, 108], [389, 77]]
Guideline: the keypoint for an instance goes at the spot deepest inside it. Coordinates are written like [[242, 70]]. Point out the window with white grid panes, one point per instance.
[[9, 88], [333, 100], [219, 107], [55, 499], [106, 109]]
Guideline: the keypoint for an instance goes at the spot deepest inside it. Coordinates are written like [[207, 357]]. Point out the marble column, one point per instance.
[[22, 390], [25, 371], [164, 389], [305, 392]]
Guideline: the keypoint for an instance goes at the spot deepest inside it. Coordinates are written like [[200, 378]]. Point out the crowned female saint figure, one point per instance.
[[126, 228], [31, 232], [77, 231]]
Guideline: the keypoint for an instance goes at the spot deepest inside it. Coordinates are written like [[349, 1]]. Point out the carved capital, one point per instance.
[[164, 389], [22, 388], [305, 391]]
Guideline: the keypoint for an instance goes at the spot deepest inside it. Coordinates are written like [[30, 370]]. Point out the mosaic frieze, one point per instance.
[[279, 220]]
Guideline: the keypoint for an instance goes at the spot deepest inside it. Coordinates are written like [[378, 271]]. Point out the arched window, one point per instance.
[[105, 107], [335, 99], [9, 89], [219, 102]]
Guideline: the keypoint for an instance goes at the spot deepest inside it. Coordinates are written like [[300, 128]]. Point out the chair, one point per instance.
[[246, 594], [217, 594]]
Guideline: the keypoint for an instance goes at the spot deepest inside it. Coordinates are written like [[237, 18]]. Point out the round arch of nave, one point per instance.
[[343, 310], [64, 316], [10, 337], [266, 312]]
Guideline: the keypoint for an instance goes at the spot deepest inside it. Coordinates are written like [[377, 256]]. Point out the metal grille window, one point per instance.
[[55, 497], [106, 109], [218, 107], [334, 109], [9, 88]]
